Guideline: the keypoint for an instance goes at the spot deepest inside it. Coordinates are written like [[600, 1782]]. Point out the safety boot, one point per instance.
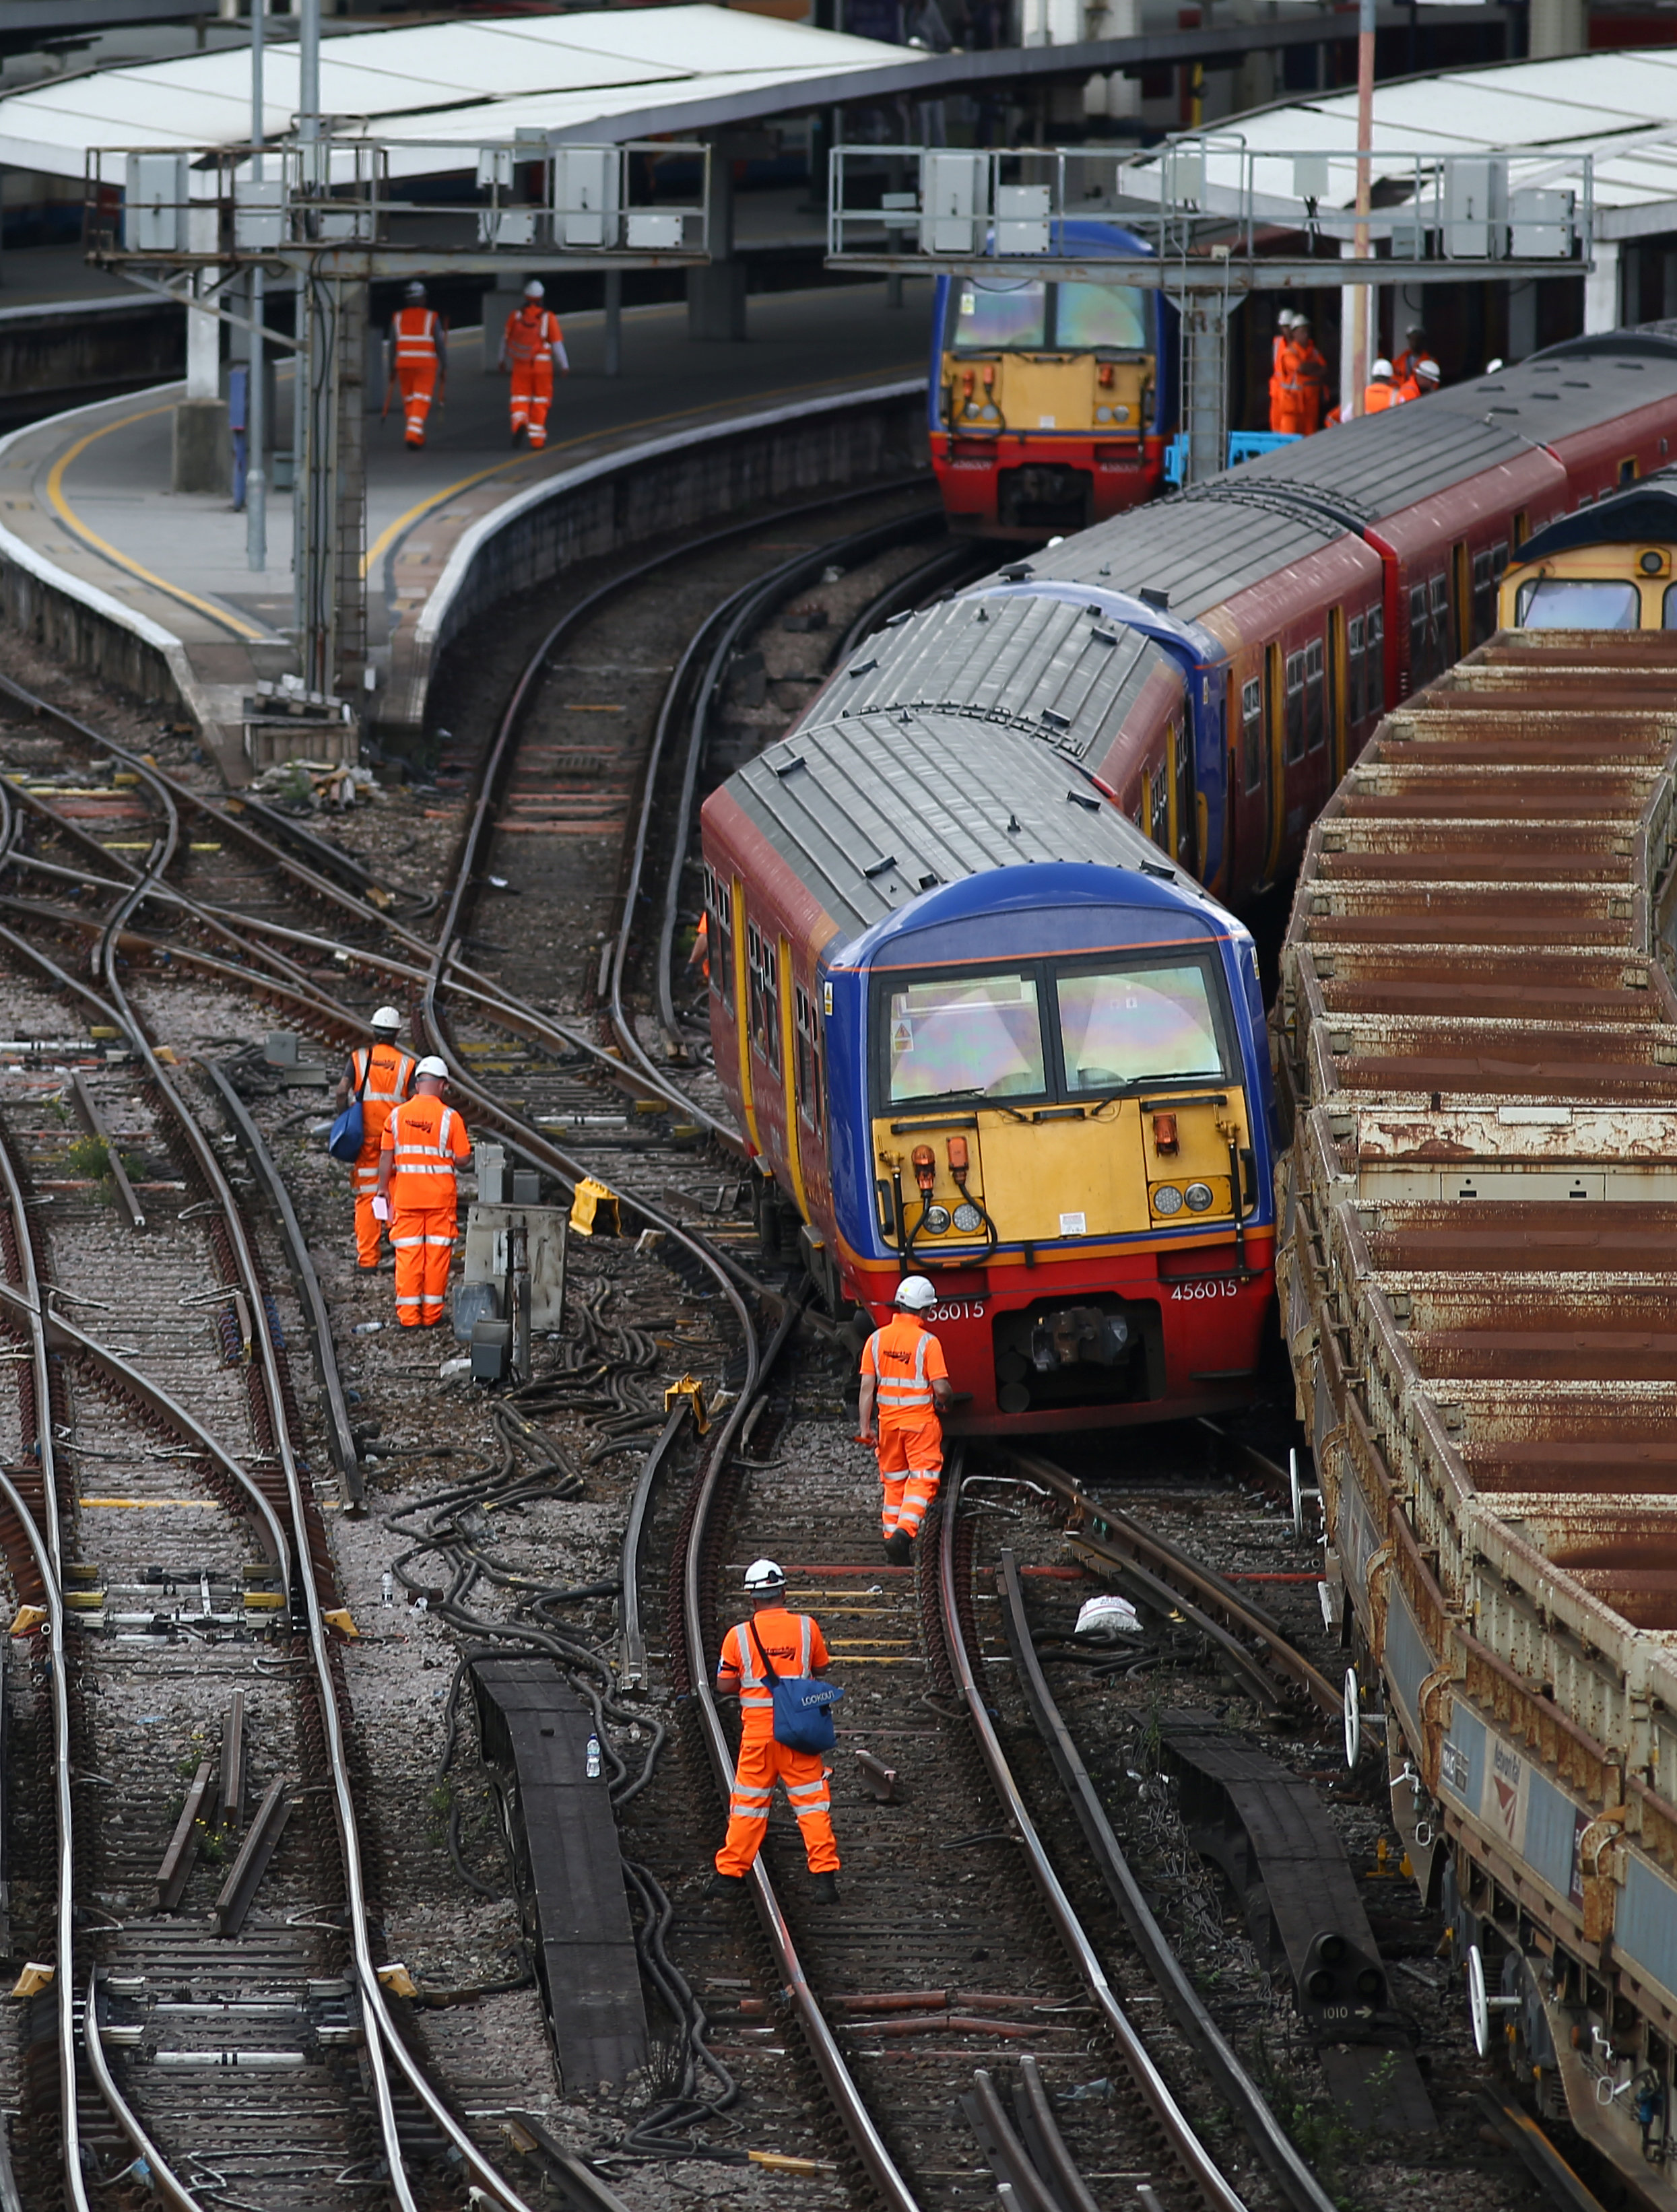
[[825, 1886], [725, 1885], [899, 1547]]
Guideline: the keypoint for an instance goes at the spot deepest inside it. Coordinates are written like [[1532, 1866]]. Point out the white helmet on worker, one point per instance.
[[763, 1576], [432, 1066], [415, 291], [534, 290], [1427, 371], [387, 1017], [915, 1294], [1380, 368]]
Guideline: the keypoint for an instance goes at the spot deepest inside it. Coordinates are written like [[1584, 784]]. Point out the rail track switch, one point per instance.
[[27, 1620]]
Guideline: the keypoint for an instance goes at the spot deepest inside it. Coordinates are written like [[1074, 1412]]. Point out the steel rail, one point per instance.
[[160, 2179], [1297, 2183], [631, 1637], [848, 2100], [1201, 2167], [340, 1432], [726, 624], [1168, 1564]]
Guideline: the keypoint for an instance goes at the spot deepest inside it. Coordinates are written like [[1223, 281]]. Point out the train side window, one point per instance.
[[808, 1073], [1252, 733], [1314, 719], [1293, 734], [1438, 591], [765, 1009], [1374, 664], [1628, 471], [1485, 598], [1158, 807], [1420, 650], [1522, 530], [719, 935]]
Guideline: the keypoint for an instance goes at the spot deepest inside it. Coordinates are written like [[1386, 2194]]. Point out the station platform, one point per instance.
[[86, 507]]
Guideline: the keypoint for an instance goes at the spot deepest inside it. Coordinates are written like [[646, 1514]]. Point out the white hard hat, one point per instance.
[[914, 1292], [764, 1575], [432, 1066], [415, 291], [1427, 369], [534, 290], [1380, 368], [387, 1019]]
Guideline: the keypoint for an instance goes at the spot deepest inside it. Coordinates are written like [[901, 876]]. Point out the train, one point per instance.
[[1049, 404], [1204, 669], [1476, 1041]]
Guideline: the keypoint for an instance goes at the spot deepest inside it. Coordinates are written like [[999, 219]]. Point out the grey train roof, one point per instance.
[[1066, 673], [876, 808]]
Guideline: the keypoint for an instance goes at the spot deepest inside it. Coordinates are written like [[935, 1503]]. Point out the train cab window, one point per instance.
[[1579, 603], [1292, 746], [1668, 608], [1316, 726], [719, 935], [965, 1036], [765, 989], [1100, 318], [1137, 1025], [994, 315], [1252, 733], [806, 1073]]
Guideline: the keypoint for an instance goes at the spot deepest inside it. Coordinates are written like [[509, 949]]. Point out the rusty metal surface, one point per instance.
[[1478, 1030]]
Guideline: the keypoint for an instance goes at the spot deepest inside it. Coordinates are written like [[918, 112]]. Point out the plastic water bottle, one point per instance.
[[593, 1759], [387, 1589]]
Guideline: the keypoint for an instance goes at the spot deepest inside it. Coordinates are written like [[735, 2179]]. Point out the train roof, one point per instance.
[[1204, 545], [1648, 512], [1066, 674], [871, 811]]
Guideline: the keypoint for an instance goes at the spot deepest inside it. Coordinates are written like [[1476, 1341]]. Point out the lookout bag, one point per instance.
[[803, 1706], [346, 1132]]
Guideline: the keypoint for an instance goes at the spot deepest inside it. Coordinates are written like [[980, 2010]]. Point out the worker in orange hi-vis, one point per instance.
[[1303, 375], [793, 1647], [905, 1386], [423, 1142], [1285, 322], [1423, 378], [1382, 391], [378, 1075], [416, 360], [533, 347]]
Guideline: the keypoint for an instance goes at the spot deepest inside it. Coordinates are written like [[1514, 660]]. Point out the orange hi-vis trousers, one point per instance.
[[761, 1764], [417, 383], [369, 1230], [424, 1242], [532, 395], [911, 1459]]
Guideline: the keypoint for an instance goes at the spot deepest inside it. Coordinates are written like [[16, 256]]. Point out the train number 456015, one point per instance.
[[1209, 1286]]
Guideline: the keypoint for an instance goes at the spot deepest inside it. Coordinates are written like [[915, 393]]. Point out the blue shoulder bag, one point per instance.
[[803, 1706], [345, 1142]]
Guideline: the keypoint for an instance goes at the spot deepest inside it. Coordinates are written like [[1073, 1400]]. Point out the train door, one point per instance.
[[1274, 706], [1462, 602], [734, 948], [1338, 704], [1184, 845], [794, 1012]]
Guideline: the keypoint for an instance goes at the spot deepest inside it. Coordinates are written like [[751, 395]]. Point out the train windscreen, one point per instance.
[[1053, 1029], [994, 314], [1579, 603]]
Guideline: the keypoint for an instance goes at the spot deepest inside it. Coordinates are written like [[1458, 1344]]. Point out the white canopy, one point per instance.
[[612, 74]]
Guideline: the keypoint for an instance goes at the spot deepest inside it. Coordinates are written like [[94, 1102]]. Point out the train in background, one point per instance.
[[1607, 567], [1206, 668], [1049, 406]]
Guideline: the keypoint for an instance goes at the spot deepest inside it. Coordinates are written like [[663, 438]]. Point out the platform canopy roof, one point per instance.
[[611, 74], [1617, 106]]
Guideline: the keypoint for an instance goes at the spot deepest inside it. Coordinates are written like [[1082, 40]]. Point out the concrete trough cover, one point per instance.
[[1270, 1835], [566, 1836]]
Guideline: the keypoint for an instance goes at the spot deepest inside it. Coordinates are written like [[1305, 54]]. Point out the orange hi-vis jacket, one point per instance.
[[795, 1646], [426, 1139], [415, 331], [380, 1076], [1380, 395], [904, 1359], [531, 337]]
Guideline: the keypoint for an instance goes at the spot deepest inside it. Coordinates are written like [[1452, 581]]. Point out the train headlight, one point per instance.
[[968, 1219], [936, 1220], [1167, 1198], [1198, 1197]]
